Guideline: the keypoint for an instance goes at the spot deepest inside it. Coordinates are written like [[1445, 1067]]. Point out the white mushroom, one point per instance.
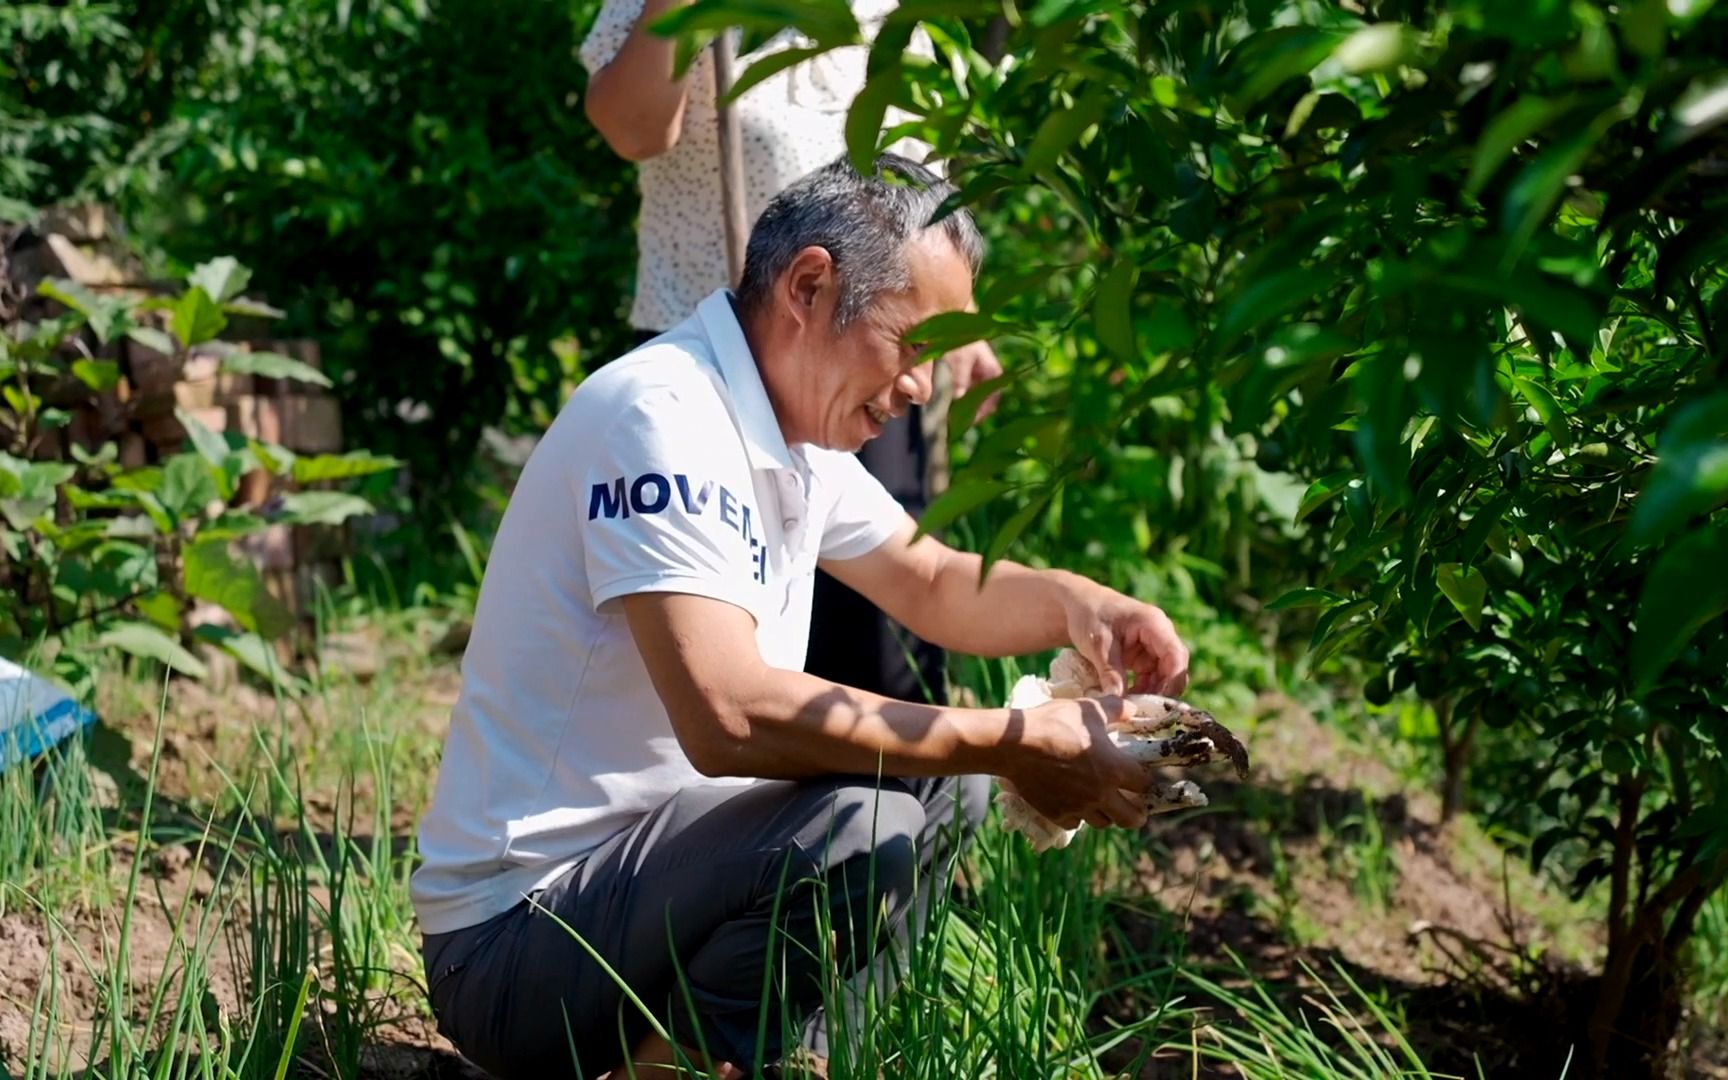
[[1162, 732]]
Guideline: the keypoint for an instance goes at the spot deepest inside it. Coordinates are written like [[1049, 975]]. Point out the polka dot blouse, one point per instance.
[[791, 123]]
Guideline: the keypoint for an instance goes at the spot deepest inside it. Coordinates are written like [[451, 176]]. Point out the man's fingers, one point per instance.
[[1125, 774], [1116, 709], [1159, 658], [1104, 650], [1126, 809]]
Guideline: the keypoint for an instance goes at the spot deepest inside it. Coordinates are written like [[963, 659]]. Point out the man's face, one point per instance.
[[867, 372]]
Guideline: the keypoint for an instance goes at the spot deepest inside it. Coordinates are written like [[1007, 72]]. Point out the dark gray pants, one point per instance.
[[683, 907]]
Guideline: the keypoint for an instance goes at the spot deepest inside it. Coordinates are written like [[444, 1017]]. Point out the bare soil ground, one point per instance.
[[1276, 877]]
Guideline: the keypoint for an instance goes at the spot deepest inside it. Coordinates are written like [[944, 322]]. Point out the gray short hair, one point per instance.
[[863, 222]]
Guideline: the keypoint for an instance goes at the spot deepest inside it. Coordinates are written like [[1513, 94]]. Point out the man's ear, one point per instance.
[[808, 285]]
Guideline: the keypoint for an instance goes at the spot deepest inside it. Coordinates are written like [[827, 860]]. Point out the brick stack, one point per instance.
[[300, 417], [139, 413]]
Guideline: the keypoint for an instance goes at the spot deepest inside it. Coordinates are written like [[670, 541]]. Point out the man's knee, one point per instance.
[[882, 819], [974, 800], [954, 809]]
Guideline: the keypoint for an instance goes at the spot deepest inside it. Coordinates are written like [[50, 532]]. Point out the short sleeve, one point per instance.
[[611, 28], [665, 505], [862, 515]]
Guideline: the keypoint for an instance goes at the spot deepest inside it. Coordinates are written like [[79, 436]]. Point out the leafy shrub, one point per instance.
[[415, 182], [1455, 265], [104, 557]]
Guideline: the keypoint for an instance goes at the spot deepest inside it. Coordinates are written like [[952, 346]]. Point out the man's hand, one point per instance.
[[1123, 637], [1072, 772], [971, 364]]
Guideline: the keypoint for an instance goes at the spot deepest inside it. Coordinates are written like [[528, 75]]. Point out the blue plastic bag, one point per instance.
[[35, 715]]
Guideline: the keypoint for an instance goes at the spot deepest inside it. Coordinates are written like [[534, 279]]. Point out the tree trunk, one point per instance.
[[1455, 756], [1640, 999], [1638, 1010]]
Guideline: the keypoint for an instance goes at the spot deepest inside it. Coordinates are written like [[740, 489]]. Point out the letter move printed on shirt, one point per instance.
[[652, 493]]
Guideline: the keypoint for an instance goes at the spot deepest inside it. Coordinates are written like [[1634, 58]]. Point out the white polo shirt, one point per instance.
[[665, 472]]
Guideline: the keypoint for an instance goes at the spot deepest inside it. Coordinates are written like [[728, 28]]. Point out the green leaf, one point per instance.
[[1481, 529], [222, 279], [1545, 843], [213, 574], [770, 66], [964, 412], [1685, 590], [1375, 48], [1466, 588], [864, 119], [187, 486], [1113, 311], [253, 308], [196, 318], [1644, 24], [28, 490], [1552, 415], [1691, 473], [1268, 297], [212, 447], [1062, 128], [1531, 197], [101, 313], [1261, 62], [150, 337], [150, 642], [951, 329], [1304, 598], [964, 496], [1324, 490], [256, 655], [323, 507], [160, 608], [13, 209], [1334, 618], [1338, 640], [98, 375], [1014, 526], [827, 22], [312, 470], [274, 366], [1510, 129]]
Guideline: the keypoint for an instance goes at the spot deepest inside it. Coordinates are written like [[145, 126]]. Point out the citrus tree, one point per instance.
[[1454, 266]]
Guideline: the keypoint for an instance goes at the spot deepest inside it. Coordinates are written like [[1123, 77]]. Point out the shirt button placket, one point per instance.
[[792, 510]]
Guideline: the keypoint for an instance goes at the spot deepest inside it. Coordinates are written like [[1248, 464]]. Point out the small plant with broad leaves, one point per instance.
[[99, 557]]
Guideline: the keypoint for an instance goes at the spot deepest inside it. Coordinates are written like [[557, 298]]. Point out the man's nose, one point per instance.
[[915, 384]]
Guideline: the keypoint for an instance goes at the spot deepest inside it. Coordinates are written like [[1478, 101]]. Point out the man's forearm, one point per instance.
[[1017, 609], [635, 101], [787, 724]]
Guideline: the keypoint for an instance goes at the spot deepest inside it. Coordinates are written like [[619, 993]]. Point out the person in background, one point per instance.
[[791, 124]]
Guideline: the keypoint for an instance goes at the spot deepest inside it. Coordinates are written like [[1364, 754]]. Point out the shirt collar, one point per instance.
[[763, 441]]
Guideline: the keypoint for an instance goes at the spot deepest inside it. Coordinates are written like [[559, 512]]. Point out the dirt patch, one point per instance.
[[57, 975], [335, 740], [338, 743], [1320, 864]]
